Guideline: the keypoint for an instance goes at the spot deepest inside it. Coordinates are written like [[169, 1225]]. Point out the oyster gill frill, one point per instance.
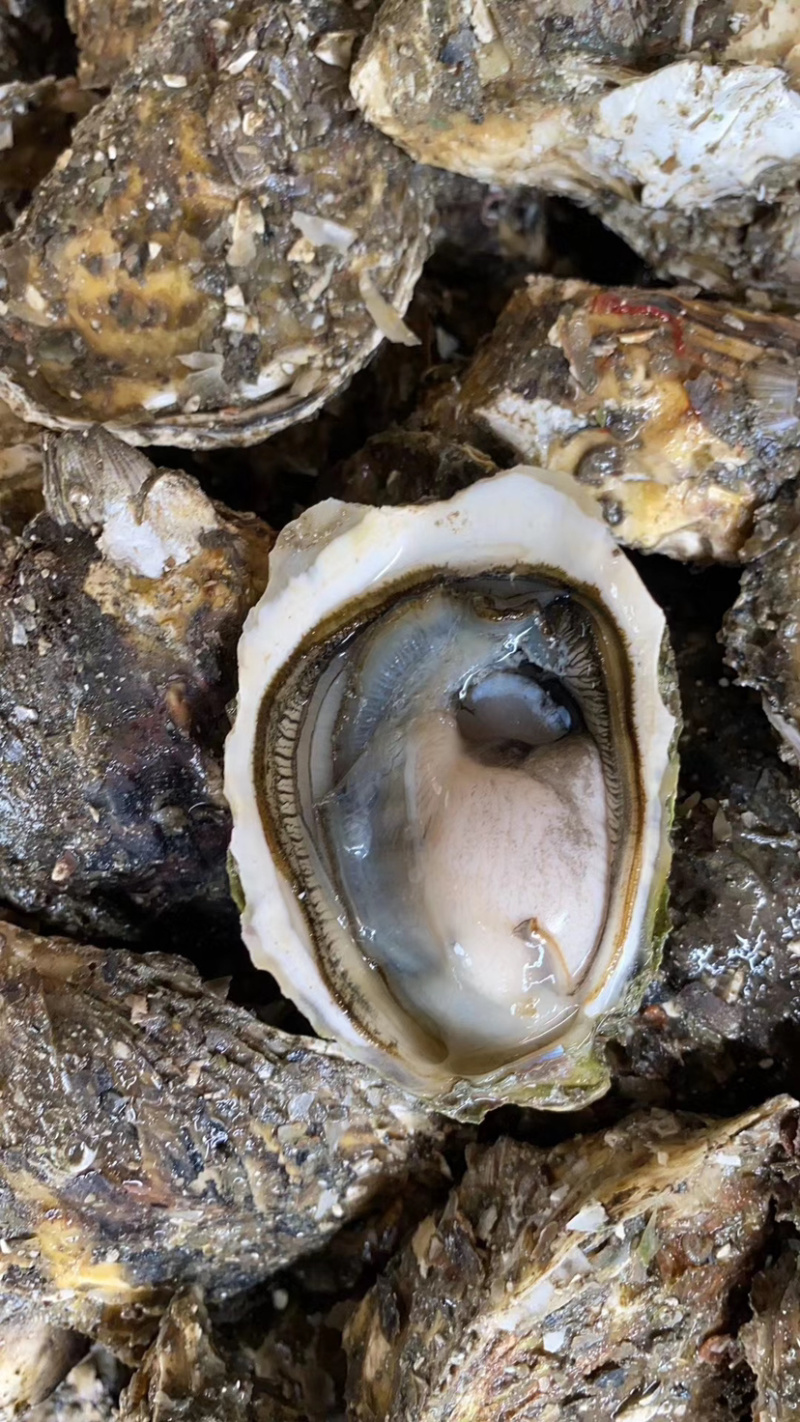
[[450, 777]]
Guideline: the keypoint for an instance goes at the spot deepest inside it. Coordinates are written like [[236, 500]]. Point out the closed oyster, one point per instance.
[[120, 610], [679, 416], [762, 630], [720, 1019], [450, 777], [603, 1278], [645, 112], [153, 1135], [225, 243]]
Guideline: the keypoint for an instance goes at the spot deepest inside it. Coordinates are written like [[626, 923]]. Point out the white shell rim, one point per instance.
[[336, 554]]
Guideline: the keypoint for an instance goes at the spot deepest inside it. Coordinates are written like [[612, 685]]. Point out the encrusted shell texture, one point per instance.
[[224, 245]]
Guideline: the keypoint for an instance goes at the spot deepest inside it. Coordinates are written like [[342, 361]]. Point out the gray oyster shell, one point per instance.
[[593, 1279], [678, 124], [120, 611], [225, 243]]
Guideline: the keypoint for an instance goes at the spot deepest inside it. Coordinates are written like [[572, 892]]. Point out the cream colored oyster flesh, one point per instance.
[[450, 777]]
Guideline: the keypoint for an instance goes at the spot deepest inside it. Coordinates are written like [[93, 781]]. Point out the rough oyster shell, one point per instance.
[[720, 1018], [194, 1372], [108, 35], [33, 1360], [225, 243], [770, 1339], [406, 467], [680, 416], [89, 1393], [21, 473], [592, 1280], [761, 633], [119, 616], [36, 120], [337, 569], [647, 111], [183, 1376], [739, 246], [185, 1141]]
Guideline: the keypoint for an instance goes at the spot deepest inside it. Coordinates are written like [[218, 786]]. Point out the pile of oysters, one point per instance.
[[399, 711]]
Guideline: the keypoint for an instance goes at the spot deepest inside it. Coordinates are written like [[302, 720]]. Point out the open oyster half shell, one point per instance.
[[451, 775]]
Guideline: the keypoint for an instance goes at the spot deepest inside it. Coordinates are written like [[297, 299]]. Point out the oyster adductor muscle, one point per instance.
[[226, 242], [450, 776]]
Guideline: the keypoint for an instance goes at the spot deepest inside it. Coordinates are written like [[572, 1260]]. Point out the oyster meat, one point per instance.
[[119, 615], [680, 416], [153, 1135], [451, 775], [225, 243], [648, 113], [597, 1279]]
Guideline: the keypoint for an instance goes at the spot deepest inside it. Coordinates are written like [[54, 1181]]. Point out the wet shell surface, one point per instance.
[[679, 416], [225, 243], [450, 776], [678, 124]]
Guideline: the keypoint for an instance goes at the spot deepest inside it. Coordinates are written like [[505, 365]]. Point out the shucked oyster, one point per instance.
[[226, 241], [450, 777]]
